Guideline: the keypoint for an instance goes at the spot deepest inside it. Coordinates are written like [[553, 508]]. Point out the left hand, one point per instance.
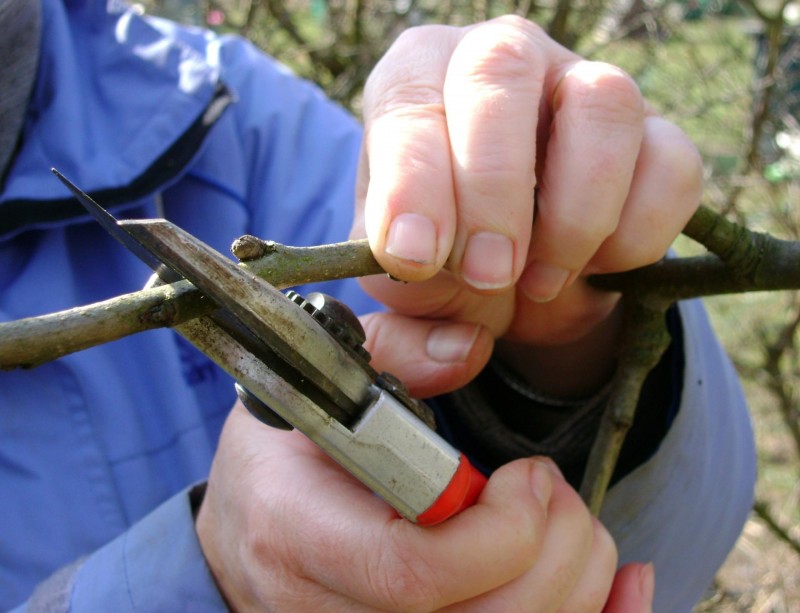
[[462, 125], [283, 528]]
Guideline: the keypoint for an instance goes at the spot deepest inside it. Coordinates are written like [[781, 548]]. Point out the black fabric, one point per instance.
[[16, 214], [493, 424], [196, 496], [20, 33]]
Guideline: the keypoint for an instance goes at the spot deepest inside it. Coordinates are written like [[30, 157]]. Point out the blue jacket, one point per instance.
[[98, 449], [133, 112]]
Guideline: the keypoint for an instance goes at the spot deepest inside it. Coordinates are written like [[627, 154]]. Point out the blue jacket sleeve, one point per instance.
[[157, 565]]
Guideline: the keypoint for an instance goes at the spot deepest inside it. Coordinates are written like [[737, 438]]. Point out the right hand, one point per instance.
[[499, 171], [284, 528]]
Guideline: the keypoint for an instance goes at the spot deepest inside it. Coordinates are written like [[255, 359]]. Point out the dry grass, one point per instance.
[[761, 575]]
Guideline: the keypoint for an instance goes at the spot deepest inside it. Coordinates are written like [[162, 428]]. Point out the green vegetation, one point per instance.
[[700, 78]]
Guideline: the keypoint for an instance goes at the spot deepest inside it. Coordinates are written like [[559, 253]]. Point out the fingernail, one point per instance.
[[647, 582], [488, 261], [412, 237], [551, 465], [452, 342], [541, 483], [543, 282]]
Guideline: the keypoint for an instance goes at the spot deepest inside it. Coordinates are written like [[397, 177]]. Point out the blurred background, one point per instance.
[[727, 72]]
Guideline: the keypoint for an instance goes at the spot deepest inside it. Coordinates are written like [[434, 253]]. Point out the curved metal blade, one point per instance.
[[267, 313], [113, 227]]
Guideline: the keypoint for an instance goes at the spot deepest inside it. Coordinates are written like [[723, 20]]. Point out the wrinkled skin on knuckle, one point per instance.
[[505, 50], [401, 579], [404, 99], [388, 88], [606, 161], [274, 581], [606, 93], [265, 545]]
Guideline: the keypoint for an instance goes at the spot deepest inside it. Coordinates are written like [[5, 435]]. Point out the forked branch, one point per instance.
[[739, 261]]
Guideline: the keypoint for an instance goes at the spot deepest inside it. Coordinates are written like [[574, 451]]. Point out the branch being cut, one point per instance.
[[759, 263], [29, 342], [35, 340]]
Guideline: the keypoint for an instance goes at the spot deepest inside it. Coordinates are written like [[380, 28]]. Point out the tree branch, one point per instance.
[[29, 342], [763, 511], [743, 261], [645, 338], [26, 343]]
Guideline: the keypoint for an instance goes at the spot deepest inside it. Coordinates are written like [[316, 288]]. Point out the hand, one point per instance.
[[285, 529], [462, 127]]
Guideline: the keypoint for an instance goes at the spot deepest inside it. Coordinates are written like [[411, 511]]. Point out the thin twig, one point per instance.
[[764, 513]]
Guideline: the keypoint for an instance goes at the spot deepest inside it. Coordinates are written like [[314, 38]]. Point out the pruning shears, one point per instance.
[[299, 363]]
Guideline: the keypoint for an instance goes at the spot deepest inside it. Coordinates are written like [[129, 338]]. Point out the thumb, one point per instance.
[[430, 356], [632, 591]]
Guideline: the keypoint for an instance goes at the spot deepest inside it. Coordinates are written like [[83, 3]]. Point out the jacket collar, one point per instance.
[[121, 104]]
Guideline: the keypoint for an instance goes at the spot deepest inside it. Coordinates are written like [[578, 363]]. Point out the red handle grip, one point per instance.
[[462, 492]]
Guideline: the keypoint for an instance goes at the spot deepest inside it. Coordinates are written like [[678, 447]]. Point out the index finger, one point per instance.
[[408, 203]]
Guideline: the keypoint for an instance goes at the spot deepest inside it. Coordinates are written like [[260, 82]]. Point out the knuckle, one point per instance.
[[402, 94], [605, 92], [504, 51], [608, 163], [584, 232], [501, 176], [403, 580], [403, 77], [379, 329], [684, 165], [530, 30]]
